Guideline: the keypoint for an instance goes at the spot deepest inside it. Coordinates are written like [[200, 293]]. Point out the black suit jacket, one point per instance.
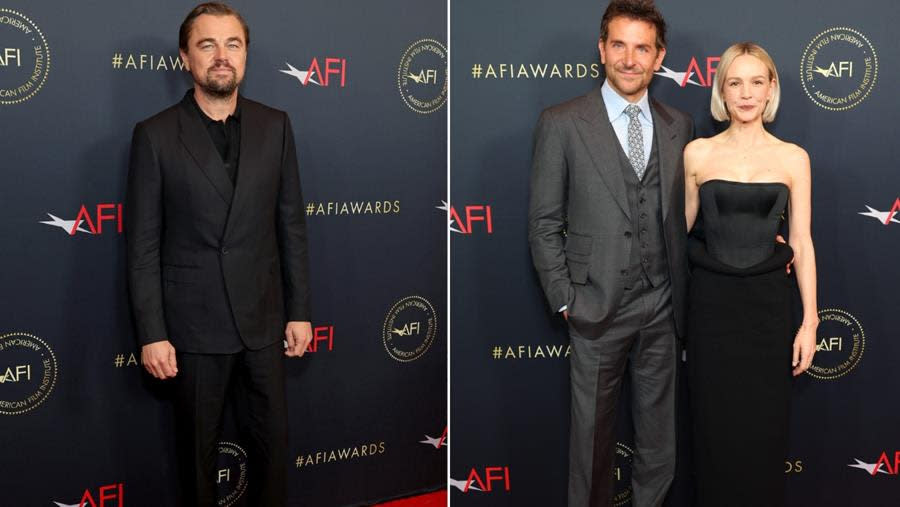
[[579, 225], [206, 258]]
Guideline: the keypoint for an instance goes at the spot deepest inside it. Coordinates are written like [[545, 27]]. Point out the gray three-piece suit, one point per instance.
[[612, 250]]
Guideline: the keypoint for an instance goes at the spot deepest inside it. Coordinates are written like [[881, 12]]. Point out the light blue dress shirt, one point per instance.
[[615, 108]]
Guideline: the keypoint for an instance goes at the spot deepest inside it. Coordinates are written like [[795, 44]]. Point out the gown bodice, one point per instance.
[[740, 220]]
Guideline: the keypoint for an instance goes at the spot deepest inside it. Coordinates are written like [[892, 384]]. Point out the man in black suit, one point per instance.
[[608, 240], [217, 258]]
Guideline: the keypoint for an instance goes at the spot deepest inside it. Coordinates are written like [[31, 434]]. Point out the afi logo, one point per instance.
[[830, 344], [10, 54], [836, 69], [486, 482], [16, 373], [91, 224], [882, 466], [111, 495], [475, 216], [408, 329], [885, 217], [437, 443], [704, 76], [321, 334], [424, 76], [321, 75]]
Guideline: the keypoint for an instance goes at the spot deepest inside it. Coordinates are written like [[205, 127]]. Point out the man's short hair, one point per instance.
[[640, 10], [213, 9], [717, 103]]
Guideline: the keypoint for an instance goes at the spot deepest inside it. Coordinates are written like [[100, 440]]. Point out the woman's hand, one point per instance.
[[804, 349]]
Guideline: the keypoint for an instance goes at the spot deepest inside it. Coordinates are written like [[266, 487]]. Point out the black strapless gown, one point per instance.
[[739, 340]]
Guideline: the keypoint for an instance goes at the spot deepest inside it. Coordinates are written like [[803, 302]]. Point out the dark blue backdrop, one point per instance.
[[95, 424], [510, 390]]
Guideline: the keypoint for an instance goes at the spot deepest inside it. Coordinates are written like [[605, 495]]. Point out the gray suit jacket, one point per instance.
[[579, 225]]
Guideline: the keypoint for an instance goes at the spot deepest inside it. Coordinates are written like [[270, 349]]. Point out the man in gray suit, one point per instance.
[[608, 240]]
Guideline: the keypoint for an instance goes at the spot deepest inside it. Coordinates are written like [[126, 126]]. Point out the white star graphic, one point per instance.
[[59, 504], [446, 207], [65, 225], [867, 467], [678, 77], [300, 74], [881, 216], [461, 485], [436, 442]]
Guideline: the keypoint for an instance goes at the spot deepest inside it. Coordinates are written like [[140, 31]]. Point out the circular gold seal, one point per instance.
[[840, 343], [409, 328], [838, 68], [24, 57], [622, 473], [231, 473], [27, 372], [422, 76]]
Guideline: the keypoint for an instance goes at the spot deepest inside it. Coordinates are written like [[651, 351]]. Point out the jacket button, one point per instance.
[[224, 251], [627, 234], [624, 272]]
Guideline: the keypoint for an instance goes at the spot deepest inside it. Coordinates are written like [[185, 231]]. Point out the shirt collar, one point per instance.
[[616, 104], [236, 115]]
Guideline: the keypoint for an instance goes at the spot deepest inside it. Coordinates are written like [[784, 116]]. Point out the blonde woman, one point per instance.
[[742, 345]]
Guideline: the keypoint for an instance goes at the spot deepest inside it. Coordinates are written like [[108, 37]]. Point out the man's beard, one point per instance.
[[221, 88]]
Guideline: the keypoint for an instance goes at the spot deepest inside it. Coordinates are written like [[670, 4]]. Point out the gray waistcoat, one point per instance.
[[648, 250]]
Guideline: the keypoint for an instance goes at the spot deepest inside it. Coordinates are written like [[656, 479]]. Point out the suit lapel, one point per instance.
[[251, 138], [669, 153], [195, 138], [603, 145]]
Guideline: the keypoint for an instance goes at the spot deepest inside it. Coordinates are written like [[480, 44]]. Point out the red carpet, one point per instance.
[[436, 499]]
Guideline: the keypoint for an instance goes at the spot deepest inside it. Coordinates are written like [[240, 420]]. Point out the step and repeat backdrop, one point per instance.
[[365, 86], [838, 65]]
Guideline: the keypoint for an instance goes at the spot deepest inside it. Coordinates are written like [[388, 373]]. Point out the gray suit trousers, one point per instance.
[[640, 340]]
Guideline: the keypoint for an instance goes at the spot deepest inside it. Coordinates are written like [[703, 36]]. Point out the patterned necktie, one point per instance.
[[635, 140]]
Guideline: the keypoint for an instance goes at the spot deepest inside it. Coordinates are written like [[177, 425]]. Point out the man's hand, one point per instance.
[[565, 314], [298, 335], [159, 359], [779, 238]]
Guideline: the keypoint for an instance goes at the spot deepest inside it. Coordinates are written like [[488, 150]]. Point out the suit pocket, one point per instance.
[[185, 311], [578, 244], [578, 271], [180, 274], [578, 255]]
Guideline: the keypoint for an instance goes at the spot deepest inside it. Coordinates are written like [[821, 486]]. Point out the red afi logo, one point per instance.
[[321, 334], [885, 217], [314, 74], [704, 79], [105, 496], [88, 223], [884, 460], [491, 475], [472, 214]]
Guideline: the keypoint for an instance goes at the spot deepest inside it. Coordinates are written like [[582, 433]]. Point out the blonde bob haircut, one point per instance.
[[717, 103]]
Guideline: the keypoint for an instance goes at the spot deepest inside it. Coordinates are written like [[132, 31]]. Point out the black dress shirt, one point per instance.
[[226, 135]]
